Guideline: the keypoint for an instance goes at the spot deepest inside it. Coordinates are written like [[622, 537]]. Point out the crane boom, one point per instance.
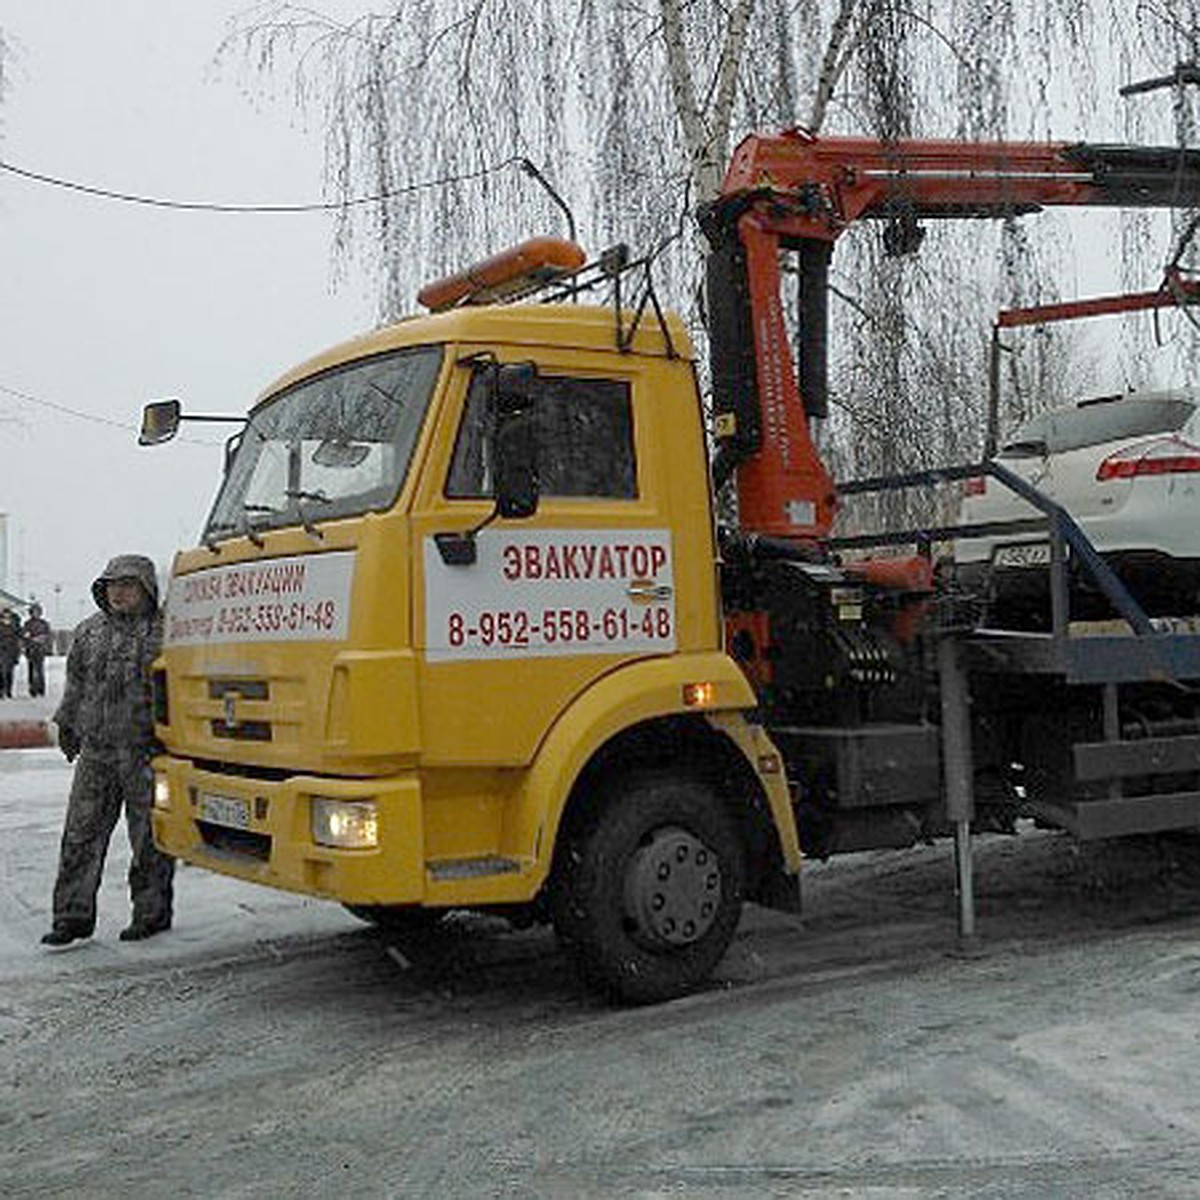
[[796, 192]]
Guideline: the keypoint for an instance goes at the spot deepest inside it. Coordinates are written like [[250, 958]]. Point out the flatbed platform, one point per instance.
[[1086, 657]]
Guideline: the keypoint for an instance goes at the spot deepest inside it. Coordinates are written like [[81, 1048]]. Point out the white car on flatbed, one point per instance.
[[1127, 468]]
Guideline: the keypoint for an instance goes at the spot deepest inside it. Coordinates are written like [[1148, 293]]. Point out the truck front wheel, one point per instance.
[[648, 890]]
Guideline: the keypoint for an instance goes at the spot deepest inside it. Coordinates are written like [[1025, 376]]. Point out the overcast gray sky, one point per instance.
[[104, 305]]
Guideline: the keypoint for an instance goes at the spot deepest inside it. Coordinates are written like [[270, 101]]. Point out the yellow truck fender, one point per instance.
[[628, 696]]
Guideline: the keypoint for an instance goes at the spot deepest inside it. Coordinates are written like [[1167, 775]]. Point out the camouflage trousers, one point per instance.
[[103, 784]]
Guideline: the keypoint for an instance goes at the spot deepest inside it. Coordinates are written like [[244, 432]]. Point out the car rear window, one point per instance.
[[1090, 424]]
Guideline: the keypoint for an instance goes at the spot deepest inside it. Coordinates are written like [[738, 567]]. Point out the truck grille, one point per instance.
[[248, 689], [231, 692]]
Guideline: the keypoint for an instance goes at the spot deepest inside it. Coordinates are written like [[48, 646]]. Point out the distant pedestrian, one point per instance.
[[106, 721], [10, 650], [35, 641]]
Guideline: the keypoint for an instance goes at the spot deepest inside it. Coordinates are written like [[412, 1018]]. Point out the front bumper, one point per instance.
[[276, 847]]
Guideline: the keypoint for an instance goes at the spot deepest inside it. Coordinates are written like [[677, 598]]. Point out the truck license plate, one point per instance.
[[224, 810], [1024, 554]]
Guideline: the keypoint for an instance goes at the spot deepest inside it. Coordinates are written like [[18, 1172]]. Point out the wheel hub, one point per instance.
[[673, 888]]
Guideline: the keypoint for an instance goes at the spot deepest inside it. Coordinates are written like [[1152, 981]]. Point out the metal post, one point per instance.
[[991, 437], [957, 771], [1060, 602], [1112, 732]]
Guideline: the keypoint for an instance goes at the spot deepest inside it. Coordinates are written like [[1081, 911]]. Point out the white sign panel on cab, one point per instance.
[[305, 598], [551, 592]]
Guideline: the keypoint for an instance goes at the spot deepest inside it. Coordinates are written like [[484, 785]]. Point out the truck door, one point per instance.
[[549, 603]]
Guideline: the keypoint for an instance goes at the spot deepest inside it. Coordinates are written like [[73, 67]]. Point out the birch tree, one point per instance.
[[449, 110]]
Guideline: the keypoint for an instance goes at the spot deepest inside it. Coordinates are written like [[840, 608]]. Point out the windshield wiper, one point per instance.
[[209, 539], [247, 527], [299, 495]]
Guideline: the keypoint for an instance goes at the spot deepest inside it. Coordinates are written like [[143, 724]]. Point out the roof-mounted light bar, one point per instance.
[[507, 276]]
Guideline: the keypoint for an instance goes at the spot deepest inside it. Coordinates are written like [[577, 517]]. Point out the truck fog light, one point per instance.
[[162, 792], [348, 824]]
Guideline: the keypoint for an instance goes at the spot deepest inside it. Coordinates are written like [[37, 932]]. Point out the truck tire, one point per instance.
[[648, 888]]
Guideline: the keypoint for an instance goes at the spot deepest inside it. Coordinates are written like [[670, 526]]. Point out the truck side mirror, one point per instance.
[[160, 422], [515, 448]]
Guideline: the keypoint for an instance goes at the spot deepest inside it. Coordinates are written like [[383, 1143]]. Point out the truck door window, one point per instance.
[[585, 440]]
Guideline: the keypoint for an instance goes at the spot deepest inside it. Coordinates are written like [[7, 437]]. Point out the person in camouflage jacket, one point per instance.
[[105, 721]]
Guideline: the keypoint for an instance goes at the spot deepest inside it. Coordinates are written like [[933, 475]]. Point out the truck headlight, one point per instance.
[[162, 791], [347, 824]]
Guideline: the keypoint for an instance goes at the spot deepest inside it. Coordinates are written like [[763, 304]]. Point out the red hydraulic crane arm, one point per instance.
[[1175, 291], [797, 192], [822, 185]]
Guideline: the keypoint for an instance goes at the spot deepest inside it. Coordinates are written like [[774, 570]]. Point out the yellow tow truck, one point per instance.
[[405, 673], [461, 633]]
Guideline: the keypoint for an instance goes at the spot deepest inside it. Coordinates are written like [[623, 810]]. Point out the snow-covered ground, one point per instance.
[[271, 1046], [212, 912]]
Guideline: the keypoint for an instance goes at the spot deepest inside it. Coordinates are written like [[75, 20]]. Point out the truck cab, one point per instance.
[[394, 678]]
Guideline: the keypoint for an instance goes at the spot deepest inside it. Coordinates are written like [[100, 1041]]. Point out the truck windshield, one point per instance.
[[332, 446]]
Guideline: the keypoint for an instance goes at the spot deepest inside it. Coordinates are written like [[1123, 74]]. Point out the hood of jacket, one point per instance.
[[127, 566]]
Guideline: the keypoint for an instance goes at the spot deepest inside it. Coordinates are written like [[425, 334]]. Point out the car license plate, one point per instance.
[[1024, 554], [224, 810]]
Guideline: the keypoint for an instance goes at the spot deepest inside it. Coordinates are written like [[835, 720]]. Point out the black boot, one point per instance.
[[139, 928], [65, 932]]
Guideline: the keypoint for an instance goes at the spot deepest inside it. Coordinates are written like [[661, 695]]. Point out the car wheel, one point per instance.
[[648, 890]]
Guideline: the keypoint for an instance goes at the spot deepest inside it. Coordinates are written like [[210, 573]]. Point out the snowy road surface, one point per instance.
[[272, 1046]]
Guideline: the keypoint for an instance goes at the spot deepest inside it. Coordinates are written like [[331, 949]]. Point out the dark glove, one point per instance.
[[68, 742]]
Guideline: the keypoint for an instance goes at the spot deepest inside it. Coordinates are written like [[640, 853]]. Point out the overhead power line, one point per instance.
[[86, 416], [62, 408], [207, 206]]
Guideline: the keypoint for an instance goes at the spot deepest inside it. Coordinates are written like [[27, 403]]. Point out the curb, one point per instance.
[[22, 735]]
